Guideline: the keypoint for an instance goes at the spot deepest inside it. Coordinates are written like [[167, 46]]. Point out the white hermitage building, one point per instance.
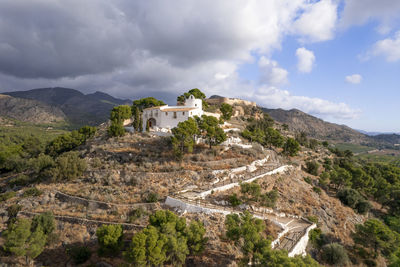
[[167, 117]]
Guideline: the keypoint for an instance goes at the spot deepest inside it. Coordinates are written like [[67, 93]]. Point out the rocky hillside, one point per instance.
[[80, 109], [299, 121], [27, 110]]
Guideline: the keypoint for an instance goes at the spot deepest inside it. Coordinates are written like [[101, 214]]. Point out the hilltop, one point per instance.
[[129, 178]]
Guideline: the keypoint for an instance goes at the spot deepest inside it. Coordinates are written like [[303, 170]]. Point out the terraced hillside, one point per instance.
[[131, 177]]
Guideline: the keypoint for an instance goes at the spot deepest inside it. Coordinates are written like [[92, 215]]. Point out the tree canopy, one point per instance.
[[196, 93], [184, 136], [210, 129], [147, 102], [291, 147], [226, 111], [28, 238], [167, 239], [110, 239]]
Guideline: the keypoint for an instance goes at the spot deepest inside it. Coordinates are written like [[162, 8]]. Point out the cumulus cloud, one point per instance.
[[354, 79], [273, 97], [271, 73], [305, 60], [318, 21], [361, 11], [132, 48], [389, 48]]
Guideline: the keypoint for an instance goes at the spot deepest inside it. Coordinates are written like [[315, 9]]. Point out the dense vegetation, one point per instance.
[[185, 134], [251, 192], [166, 240], [356, 183], [247, 233], [262, 132], [28, 238], [34, 157]]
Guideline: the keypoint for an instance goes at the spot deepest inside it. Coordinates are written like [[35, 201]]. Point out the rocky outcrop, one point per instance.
[[29, 110]]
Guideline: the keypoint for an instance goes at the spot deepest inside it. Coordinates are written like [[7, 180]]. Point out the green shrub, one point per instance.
[[317, 190], [69, 166], [334, 254], [136, 214], [152, 197], [32, 192], [234, 200], [354, 199], [312, 167], [269, 199], [253, 190], [20, 180], [13, 210], [110, 239], [363, 206], [313, 219], [7, 195], [291, 147], [80, 254], [45, 222], [307, 180], [316, 237]]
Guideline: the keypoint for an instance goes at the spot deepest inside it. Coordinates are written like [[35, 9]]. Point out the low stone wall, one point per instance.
[[94, 204], [83, 221]]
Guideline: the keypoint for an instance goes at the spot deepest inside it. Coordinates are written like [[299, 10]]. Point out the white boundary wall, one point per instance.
[[229, 186], [301, 245]]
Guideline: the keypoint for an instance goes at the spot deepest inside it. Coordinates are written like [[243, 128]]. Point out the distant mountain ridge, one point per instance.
[[28, 110], [376, 133], [80, 109], [299, 121]]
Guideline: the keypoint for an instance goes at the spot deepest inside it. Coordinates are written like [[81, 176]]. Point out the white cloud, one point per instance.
[[305, 60], [389, 48], [354, 79], [273, 97], [361, 11], [271, 73], [318, 21]]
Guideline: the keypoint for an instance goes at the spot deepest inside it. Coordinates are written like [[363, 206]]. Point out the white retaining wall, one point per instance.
[[301, 245], [229, 186]]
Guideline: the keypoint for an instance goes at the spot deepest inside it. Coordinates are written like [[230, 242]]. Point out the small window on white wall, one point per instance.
[[183, 113], [166, 113], [174, 115]]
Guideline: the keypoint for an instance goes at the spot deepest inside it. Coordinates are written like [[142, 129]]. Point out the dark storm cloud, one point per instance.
[[136, 48], [53, 39]]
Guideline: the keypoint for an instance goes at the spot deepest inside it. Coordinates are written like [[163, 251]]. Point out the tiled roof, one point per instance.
[[157, 107], [177, 109]]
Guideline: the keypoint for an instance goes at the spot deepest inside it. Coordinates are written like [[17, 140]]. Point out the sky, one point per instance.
[[338, 60]]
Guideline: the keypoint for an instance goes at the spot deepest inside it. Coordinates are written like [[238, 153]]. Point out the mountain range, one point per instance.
[[299, 121], [45, 105], [79, 109]]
